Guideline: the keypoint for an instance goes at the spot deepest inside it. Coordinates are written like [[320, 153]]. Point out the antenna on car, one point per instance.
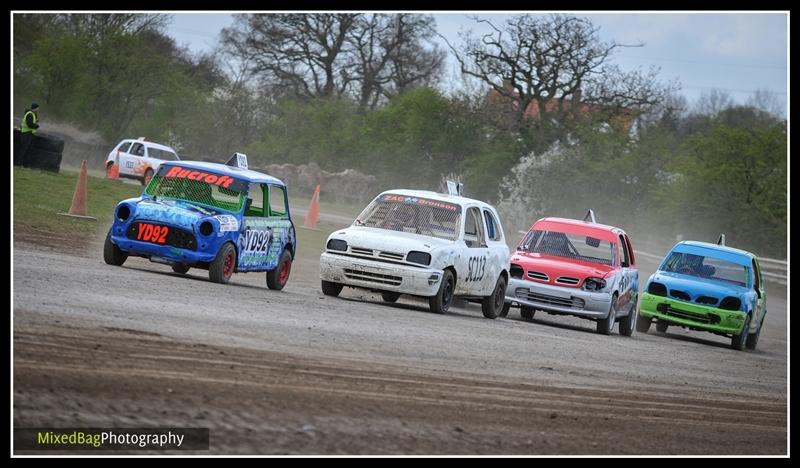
[[590, 217], [237, 160], [721, 240]]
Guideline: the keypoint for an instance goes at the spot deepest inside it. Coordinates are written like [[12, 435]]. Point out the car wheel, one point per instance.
[[643, 323], [628, 323], [492, 305], [506, 308], [661, 326], [606, 325], [440, 303], [148, 174], [181, 268], [279, 276], [223, 266], [752, 340], [527, 312], [390, 296], [112, 254], [329, 288], [739, 341]]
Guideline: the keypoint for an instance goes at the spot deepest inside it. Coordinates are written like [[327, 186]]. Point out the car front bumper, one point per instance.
[[165, 253], [572, 301], [371, 274], [692, 315]]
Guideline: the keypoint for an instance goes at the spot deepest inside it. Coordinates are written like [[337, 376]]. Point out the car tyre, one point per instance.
[[329, 288], [606, 326], [643, 323], [148, 174], [628, 323], [440, 303], [506, 308], [752, 340], [389, 296], [181, 268], [661, 326], [223, 265], [739, 341], [112, 254], [527, 312], [492, 305], [279, 276]]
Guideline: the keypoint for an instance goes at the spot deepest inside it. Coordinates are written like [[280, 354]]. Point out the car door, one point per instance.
[[132, 159], [471, 264], [256, 235]]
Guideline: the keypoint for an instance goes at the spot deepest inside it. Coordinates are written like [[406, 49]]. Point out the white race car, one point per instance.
[[139, 159], [424, 244]]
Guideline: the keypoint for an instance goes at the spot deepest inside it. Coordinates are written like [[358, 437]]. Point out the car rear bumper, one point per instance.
[[572, 301], [692, 315], [371, 274]]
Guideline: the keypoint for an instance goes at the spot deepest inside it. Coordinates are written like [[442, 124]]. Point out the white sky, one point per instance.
[[735, 52]]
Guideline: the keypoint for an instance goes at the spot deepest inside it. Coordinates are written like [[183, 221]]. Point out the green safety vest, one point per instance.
[[24, 127]]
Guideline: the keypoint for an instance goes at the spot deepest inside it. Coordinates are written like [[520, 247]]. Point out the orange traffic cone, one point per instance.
[[313, 211], [78, 207], [113, 171]]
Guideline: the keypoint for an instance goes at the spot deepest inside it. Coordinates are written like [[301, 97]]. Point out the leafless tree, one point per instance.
[[767, 101], [535, 60], [368, 57], [713, 102]]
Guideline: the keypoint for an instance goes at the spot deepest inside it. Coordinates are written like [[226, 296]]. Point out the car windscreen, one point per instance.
[[205, 188], [702, 266], [161, 154], [413, 215], [572, 246]]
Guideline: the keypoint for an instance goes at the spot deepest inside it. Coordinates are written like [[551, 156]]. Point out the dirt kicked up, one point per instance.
[[294, 372]]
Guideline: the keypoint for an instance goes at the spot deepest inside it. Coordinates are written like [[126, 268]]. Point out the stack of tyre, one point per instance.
[[44, 153]]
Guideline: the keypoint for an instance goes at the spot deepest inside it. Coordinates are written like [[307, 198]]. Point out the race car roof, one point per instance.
[[581, 227], [740, 257], [230, 171], [443, 197], [150, 144]]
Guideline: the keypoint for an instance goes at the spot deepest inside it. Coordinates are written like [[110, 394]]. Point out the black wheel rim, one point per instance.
[[499, 298]]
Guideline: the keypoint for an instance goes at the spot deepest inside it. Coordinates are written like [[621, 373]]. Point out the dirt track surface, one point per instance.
[[296, 372]]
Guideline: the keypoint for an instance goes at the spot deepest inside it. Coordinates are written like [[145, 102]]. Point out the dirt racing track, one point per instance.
[[297, 372]]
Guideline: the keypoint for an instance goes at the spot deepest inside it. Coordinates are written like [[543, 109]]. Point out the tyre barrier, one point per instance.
[[45, 152]]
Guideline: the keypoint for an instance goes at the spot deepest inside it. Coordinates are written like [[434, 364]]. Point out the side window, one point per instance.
[[624, 252], [630, 250], [137, 149], [492, 231], [277, 200], [473, 229], [125, 147], [255, 201]]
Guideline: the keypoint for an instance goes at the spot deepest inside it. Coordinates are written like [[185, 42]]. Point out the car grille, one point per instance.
[[707, 300], [177, 237], [373, 277], [538, 275], [701, 318], [527, 294], [678, 294], [379, 253], [567, 280], [360, 251], [391, 255]]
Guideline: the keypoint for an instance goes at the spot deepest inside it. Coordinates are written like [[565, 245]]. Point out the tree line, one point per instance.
[[542, 123]]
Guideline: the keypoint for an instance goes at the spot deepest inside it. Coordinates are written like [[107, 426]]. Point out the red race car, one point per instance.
[[576, 267]]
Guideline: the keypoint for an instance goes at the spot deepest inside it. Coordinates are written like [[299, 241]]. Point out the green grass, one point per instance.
[[341, 209], [39, 196]]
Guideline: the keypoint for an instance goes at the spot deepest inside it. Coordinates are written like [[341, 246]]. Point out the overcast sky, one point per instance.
[[735, 52]]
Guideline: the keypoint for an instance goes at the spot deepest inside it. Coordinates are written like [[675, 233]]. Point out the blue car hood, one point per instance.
[[173, 212], [697, 286]]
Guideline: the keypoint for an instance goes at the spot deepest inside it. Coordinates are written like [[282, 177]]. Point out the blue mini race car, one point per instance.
[[218, 217], [707, 287]]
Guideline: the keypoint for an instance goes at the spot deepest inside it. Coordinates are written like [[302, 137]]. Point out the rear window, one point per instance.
[[571, 246]]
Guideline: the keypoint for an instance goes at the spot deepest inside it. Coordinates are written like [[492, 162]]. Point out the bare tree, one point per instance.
[[767, 101], [368, 57], [713, 102], [556, 58]]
